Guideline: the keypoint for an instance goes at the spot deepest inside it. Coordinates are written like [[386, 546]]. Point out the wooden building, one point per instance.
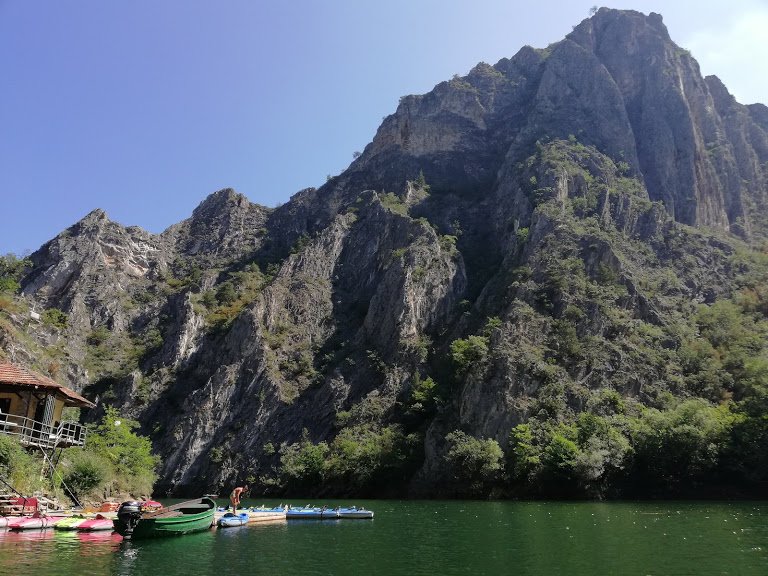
[[31, 407]]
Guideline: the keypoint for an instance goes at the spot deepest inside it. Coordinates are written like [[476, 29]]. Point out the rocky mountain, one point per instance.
[[524, 245]]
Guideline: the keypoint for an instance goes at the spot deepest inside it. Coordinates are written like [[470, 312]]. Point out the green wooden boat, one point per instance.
[[134, 523]]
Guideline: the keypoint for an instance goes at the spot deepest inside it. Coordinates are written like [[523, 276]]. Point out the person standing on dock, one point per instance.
[[234, 497]]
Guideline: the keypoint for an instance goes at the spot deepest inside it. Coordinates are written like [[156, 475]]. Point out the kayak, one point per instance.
[[100, 522], [355, 512], [33, 522], [311, 514], [229, 519], [70, 522]]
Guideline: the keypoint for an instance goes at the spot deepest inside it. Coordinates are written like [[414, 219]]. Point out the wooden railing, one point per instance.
[[30, 432]]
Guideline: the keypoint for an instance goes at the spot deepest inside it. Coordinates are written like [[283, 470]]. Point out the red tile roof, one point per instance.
[[15, 374]]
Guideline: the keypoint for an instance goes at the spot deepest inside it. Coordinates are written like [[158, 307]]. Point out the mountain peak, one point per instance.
[[219, 201], [225, 222], [94, 216], [624, 30]]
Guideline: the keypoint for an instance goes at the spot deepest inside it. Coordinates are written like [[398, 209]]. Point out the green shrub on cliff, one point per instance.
[[468, 352], [54, 317], [12, 268]]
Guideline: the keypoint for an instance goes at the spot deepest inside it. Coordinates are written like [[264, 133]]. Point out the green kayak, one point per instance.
[[70, 523], [134, 523]]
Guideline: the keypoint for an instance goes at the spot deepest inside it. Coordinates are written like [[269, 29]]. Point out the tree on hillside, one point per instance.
[[130, 454]]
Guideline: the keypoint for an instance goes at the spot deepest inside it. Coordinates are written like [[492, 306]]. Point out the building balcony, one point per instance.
[[28, 432]]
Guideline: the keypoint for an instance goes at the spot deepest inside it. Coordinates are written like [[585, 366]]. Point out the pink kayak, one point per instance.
[[3, 521], [98, 523], [33, 522]]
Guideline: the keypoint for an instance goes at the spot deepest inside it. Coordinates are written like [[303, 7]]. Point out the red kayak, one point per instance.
[[98, 523], [33, 522]]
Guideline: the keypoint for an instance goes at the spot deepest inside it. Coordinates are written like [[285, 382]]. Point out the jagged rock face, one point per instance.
[[671, 113], [345, 284], [87, 270], [617, 82], [244, 327]]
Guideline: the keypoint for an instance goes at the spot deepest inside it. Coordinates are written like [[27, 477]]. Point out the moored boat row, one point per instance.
[[58, 522], [305, 512], [309, 512], [135, 520], [324, 513]]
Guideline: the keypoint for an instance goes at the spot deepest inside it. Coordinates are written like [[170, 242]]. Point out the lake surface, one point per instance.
[[431, 538]]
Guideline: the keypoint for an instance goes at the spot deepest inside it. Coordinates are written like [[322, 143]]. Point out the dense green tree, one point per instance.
[[678, 449], [130, 455], [302, 465], [362, 458], [476, 464]]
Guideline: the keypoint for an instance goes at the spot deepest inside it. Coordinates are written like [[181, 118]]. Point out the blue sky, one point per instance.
[[144, 107]]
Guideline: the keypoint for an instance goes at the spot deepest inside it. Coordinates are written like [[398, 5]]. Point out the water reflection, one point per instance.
[[25, 535], [189, 555], [430, 538]]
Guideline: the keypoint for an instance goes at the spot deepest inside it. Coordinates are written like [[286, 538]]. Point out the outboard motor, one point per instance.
[[129, 515]]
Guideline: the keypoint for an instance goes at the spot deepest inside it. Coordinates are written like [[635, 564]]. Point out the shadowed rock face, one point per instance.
[[243, 326]]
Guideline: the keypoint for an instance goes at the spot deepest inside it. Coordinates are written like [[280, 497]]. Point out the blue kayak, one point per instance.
[[311, 513], [355, 512], [230, 519]]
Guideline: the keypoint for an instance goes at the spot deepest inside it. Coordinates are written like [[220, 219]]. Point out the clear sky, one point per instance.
[[144, 107]]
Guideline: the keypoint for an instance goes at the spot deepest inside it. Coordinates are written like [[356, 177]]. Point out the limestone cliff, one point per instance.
[[569, 206]]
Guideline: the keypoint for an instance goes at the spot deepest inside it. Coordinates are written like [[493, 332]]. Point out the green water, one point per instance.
[[431, 538]]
